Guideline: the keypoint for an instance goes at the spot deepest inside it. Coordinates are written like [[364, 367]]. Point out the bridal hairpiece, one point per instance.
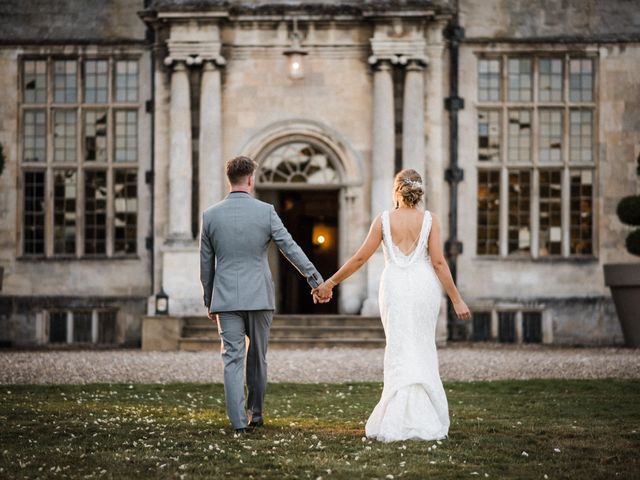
[[412, 183]]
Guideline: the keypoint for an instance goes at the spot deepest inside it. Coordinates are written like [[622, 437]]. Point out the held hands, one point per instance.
[[323, 293]]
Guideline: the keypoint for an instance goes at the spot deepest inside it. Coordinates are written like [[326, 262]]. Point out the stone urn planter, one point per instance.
[[624, 278]]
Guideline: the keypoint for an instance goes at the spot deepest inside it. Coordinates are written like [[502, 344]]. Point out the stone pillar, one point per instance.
[[413, 133], [382, 169], [180, 171], [436, 153], [210, 180]]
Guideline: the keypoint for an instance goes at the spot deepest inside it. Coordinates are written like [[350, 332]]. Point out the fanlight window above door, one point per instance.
[[299, 162]]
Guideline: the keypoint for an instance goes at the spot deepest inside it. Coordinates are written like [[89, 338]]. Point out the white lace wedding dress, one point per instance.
[[413, 403]]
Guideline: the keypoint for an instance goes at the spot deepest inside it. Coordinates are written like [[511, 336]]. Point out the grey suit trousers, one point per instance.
[[233, 327]]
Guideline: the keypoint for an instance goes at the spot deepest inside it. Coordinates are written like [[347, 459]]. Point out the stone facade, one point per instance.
[[213, 82]]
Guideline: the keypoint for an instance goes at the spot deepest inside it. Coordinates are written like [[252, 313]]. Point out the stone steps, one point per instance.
[[294, 331]]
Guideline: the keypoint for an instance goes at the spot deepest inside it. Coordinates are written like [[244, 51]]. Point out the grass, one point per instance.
[[569, 429]]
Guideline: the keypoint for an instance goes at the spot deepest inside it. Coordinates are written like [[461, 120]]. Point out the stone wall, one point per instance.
[[72, 29], [572, 289], [70, 21]]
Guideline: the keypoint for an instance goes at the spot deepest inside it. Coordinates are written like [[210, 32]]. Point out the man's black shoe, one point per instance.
[[242, 431], [256, 424]]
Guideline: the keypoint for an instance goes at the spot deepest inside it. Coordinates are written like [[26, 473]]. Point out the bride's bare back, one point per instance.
[[406, 224]]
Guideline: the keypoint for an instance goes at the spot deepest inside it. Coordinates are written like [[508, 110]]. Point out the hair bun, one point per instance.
[[408, 184]]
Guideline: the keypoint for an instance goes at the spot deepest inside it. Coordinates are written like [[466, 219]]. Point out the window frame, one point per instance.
[[49, 165], [567, 167]]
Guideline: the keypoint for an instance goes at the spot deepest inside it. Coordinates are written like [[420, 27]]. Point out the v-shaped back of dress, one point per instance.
[[393, 254]]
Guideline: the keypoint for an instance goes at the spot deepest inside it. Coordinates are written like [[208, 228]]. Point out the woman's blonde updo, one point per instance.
[[407, 187]]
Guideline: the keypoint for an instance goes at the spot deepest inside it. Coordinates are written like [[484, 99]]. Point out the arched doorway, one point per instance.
[[301, 177]]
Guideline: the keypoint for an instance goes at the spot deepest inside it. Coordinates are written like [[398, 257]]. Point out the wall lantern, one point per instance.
[[162, 302], [295, 54]]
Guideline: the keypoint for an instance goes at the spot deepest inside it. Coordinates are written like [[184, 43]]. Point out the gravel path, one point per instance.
[[460, 362]]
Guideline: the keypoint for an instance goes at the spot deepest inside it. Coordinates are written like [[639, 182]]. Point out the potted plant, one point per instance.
[[624, 278]]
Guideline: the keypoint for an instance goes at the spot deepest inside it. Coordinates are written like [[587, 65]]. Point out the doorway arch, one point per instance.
[[312, 176]]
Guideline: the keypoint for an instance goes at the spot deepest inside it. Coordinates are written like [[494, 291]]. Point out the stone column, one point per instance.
[[382, 169], [210, 180], [413, 118], [180, 171], [436, 152]]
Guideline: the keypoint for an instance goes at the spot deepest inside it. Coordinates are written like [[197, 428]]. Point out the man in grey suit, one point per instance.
[[238, 288]]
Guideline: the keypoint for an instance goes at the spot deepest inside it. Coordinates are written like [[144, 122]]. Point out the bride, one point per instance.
[[413, 403]]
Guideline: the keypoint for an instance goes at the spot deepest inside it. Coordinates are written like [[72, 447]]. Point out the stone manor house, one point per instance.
[[116, 117]]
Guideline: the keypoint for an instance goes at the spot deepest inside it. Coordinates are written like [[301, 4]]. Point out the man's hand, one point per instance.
[[317, 298], [212, 316]]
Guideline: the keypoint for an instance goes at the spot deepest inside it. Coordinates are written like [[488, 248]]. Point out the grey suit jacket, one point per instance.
[[234, 267]]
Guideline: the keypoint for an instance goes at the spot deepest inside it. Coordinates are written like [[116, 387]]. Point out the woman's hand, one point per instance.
[[462, 311]]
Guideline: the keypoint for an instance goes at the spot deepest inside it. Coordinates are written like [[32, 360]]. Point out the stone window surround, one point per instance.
[[567, 166], [95, 325], [49, 165]]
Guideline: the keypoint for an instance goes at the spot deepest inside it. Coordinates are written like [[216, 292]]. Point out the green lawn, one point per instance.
[[508, 429]]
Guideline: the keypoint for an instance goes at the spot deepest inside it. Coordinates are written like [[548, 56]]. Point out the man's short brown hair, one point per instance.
[[239, 168]]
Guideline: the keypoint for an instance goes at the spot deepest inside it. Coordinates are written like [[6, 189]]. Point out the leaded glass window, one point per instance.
[[550, 212], [34, 136], [529, 155], [550, 140], [126, 136], [127, 81], [581, 80], [126, 211], [550, 80], [488, 212], [64, 136], [65, 81], [581, 212], [519, 136], [299, 162], [96, 78], [95, 212], [33, 213], [519, 211], [95, 136], [64, 212], [581, 136], [489, 80], [34, 81], [79, 119], [488, 136], [520, 79]]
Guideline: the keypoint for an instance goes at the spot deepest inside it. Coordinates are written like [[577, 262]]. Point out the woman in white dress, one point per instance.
[[413, 403]]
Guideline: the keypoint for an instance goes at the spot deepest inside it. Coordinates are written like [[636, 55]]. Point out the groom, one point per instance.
[[238, 289]]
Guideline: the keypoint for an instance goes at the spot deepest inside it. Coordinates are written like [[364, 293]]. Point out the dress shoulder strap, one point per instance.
[[427, 228], [385, 225]]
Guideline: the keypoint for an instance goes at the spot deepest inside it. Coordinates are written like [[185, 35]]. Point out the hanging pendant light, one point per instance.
[[295, 54]]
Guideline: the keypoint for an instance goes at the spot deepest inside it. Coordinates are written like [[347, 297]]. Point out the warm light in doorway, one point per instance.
[[320, 240]]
